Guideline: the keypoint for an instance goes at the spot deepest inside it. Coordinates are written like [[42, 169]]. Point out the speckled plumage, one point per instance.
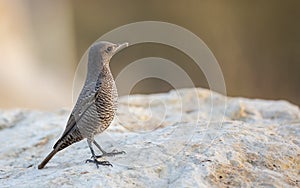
[[96, 105]]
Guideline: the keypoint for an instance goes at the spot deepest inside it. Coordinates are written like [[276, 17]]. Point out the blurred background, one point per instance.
[[257, 44]]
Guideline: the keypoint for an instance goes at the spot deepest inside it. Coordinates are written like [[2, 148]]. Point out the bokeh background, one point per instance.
[[257, 44]]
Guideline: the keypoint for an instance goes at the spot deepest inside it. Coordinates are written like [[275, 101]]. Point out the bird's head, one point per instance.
[[102, 52]]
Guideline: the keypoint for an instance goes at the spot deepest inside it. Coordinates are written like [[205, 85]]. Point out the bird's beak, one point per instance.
[[121, 46]]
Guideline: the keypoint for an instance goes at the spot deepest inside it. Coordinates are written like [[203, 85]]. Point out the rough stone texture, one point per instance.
[[177, 139]]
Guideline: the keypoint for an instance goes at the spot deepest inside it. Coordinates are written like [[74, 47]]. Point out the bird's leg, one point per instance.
[[94, 157], [104, 153]]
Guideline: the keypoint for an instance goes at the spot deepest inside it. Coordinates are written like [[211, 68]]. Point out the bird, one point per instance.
[[96, 105]]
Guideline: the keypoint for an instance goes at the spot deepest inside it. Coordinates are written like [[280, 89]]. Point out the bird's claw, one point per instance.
[[109, 154], [103, 163]]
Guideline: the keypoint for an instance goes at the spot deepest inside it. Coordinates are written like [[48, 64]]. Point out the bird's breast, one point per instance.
[[106, 104]]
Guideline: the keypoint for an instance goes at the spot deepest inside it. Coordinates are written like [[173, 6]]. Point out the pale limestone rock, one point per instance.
[[183, 138]]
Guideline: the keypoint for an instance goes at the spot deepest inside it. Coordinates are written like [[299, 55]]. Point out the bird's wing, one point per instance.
[[85, 100]]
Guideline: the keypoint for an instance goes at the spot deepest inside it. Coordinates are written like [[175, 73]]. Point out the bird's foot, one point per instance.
[[109, 154], [103, 163]]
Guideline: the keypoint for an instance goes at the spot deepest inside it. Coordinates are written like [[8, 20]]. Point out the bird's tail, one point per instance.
[[47, 159]]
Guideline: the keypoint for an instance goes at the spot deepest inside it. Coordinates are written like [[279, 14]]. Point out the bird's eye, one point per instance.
[[109, 49]]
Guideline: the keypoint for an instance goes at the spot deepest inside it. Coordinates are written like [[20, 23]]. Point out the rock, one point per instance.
[[184, 138]]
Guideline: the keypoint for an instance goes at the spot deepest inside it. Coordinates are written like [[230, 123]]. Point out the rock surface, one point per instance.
[[184, 138]]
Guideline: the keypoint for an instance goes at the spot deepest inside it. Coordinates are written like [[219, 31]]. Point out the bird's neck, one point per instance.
[[96, 70]]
